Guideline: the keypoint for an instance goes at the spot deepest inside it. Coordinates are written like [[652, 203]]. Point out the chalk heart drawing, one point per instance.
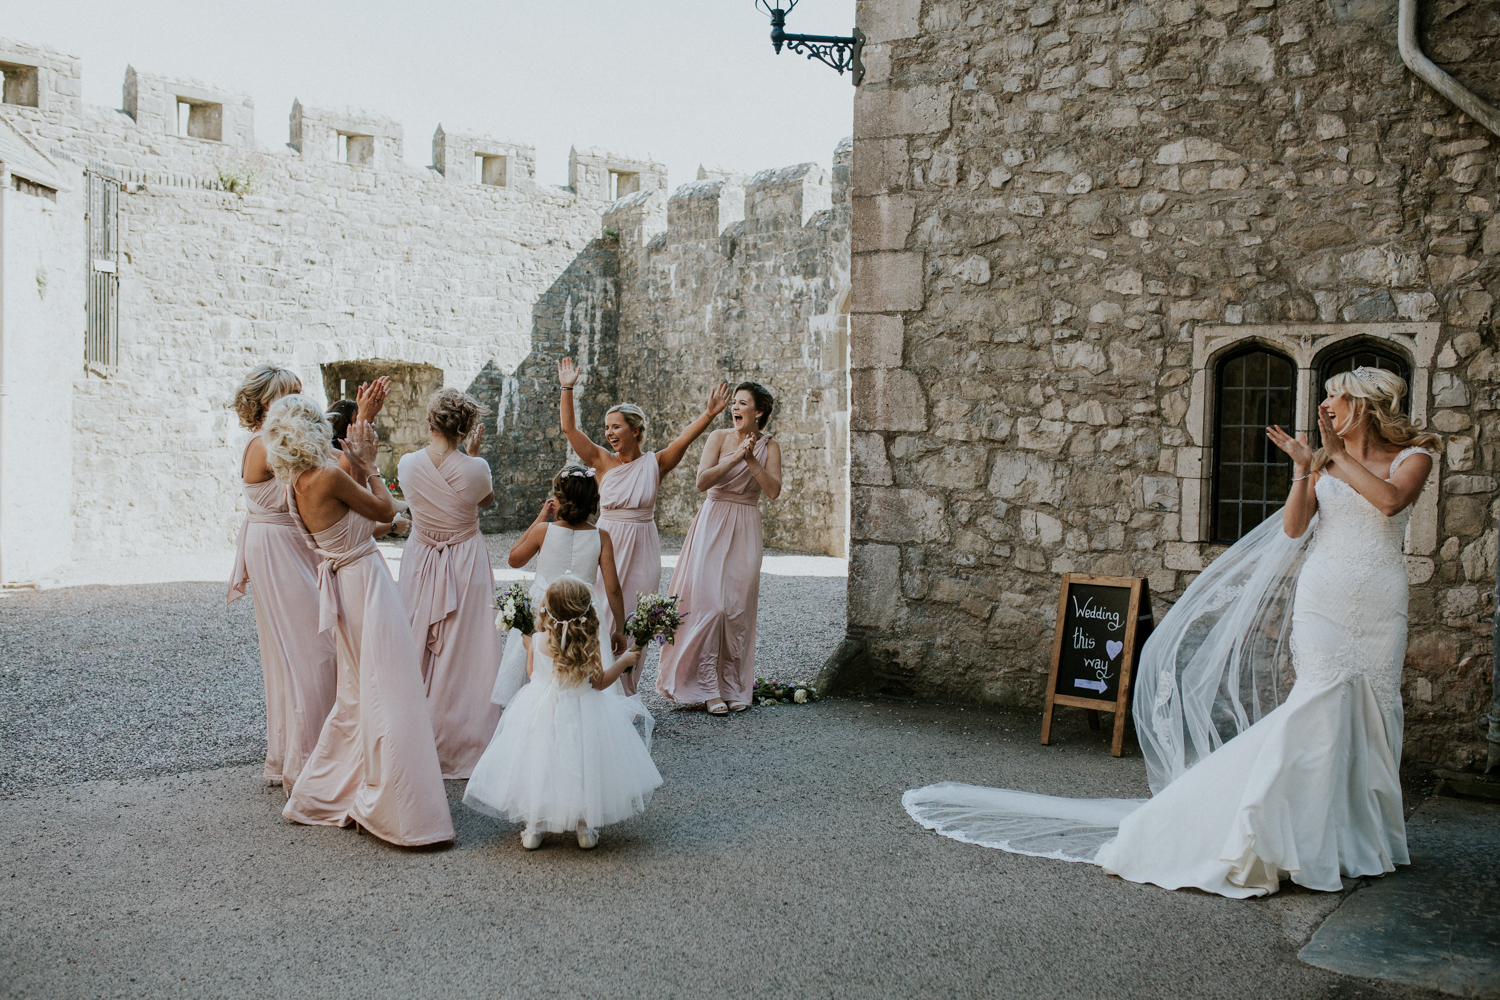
[[1113, 647]]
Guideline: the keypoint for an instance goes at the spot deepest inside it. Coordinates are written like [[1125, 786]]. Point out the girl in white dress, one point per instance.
[[565, 543], [567, 756], [1252, 782]]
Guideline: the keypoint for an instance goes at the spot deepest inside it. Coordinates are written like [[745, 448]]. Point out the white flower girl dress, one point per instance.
[[564, 754]]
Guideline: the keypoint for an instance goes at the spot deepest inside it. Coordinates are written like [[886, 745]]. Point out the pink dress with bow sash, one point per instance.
[[298, 661], [717, 583], [627, 505], [448, 585], [375, 763]]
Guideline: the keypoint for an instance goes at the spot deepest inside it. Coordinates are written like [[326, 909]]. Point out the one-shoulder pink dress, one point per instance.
[[717, 583], [375, 763], [298, 661], [448, 586], [627, 505]]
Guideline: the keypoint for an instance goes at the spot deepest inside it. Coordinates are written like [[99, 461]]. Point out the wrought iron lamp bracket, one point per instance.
[[838, 52]]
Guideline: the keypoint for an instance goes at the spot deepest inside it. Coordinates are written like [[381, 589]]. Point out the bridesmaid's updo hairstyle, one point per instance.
[[577, 491], [452, 413], [263, 386], [1376, 393], [764, 401], [297, 436], [570, 602], [340, 415], [634, 416]]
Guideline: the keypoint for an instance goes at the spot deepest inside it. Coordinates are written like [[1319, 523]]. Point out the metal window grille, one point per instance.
[[101, 346], [1251, 475], [1367, 356]]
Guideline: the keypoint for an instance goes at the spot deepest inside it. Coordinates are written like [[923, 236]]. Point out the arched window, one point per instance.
[[1364, 354], [1255, 388]]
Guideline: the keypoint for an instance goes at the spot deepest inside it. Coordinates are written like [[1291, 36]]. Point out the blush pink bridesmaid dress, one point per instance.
[[298, 661], [375, 763], [627, 504], [717, 583], [448, 586]]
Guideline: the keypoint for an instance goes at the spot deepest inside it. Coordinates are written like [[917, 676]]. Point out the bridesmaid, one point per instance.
[[717, 581], [447, 582], [628, 481], [295, 658], [375, 763]]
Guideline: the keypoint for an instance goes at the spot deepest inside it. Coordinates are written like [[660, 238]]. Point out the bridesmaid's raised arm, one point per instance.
[[590, 453], [671, 456]]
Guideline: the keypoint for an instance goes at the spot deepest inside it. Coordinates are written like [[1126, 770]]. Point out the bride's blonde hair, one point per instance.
[[572, 628], [297, 436], [1375, 394]]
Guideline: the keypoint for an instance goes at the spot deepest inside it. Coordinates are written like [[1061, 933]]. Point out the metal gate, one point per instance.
[[101, 347]]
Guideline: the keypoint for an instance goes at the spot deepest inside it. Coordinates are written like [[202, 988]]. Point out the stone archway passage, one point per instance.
[[402, 424]]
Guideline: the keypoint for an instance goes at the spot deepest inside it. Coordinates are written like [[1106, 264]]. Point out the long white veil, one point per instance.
[[1219, 660], [1216, 664]]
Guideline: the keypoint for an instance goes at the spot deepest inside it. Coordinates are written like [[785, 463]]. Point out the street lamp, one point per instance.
[[838, 51]]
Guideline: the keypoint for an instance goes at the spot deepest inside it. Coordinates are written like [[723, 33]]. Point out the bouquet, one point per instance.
[[655, 619], [776, 693], [513, 607]]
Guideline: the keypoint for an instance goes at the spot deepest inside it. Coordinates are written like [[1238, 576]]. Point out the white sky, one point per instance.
[[683, 81]]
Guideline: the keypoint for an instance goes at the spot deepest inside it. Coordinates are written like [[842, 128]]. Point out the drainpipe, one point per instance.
[[1494, 717], [1438, 79]]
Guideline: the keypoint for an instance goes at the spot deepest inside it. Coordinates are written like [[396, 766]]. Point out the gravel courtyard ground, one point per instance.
[[145, 858]]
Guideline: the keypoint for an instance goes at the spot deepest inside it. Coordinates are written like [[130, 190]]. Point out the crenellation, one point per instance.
[[156, 103], [347, 135], [704, 209], [598, 175], [40, 77], [797, 192], [476, 158]]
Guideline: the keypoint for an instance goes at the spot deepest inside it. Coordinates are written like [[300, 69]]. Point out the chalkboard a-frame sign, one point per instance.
[[1101, 623]]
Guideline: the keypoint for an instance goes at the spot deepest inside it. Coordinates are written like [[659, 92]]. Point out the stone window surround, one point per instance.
[[1307, 344]]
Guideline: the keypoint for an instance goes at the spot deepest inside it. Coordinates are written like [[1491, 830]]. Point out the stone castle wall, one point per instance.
[[322, 262], [1063, 216]]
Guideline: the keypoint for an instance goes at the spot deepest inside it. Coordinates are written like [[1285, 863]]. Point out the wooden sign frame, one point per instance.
[[1138, 624]]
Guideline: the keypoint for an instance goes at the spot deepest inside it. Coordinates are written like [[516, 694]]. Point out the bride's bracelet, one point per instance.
[[1298, 479]]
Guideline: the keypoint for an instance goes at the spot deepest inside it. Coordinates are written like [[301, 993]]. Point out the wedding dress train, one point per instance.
[[1250, 786]]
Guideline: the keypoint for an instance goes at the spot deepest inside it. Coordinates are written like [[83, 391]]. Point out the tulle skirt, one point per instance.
[[565, 755]]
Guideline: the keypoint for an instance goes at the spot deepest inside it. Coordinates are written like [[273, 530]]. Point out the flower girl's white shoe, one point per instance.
[[588, 837], [531, 838]]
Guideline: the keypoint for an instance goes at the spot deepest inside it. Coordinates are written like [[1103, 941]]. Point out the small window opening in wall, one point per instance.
[[621, 184], [200, 120], [356, 149], [489, 170], [35, 190], [1251, 476], [20, 84]]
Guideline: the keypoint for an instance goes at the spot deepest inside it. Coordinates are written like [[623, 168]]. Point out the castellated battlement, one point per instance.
[[189, 108], [346, 135], [42, 78], [476, 158]]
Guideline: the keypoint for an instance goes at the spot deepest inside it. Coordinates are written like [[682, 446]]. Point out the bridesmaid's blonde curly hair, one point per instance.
[[452, 412], [1376, 393], [263, 386], [297, 435], [572, 628]]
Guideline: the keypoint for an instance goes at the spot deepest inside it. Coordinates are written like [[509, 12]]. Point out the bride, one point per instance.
[[1251, 782]]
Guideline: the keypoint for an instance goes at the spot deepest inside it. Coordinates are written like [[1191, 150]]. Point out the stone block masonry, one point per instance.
[[326, 251], [1066, 217], [332, 255]]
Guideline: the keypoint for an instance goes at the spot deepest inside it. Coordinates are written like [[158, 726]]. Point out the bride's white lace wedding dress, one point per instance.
[[1310, 791]]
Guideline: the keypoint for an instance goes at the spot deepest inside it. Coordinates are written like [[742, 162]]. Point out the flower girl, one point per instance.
[[567, 755]]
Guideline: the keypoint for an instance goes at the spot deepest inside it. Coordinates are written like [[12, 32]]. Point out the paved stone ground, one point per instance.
[[775, 862]]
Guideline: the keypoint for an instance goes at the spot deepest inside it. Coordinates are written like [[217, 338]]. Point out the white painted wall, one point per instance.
[[41, 353]]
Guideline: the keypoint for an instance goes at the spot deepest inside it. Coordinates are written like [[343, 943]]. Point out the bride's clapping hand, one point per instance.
[[1296, 447], [1332, 443]]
